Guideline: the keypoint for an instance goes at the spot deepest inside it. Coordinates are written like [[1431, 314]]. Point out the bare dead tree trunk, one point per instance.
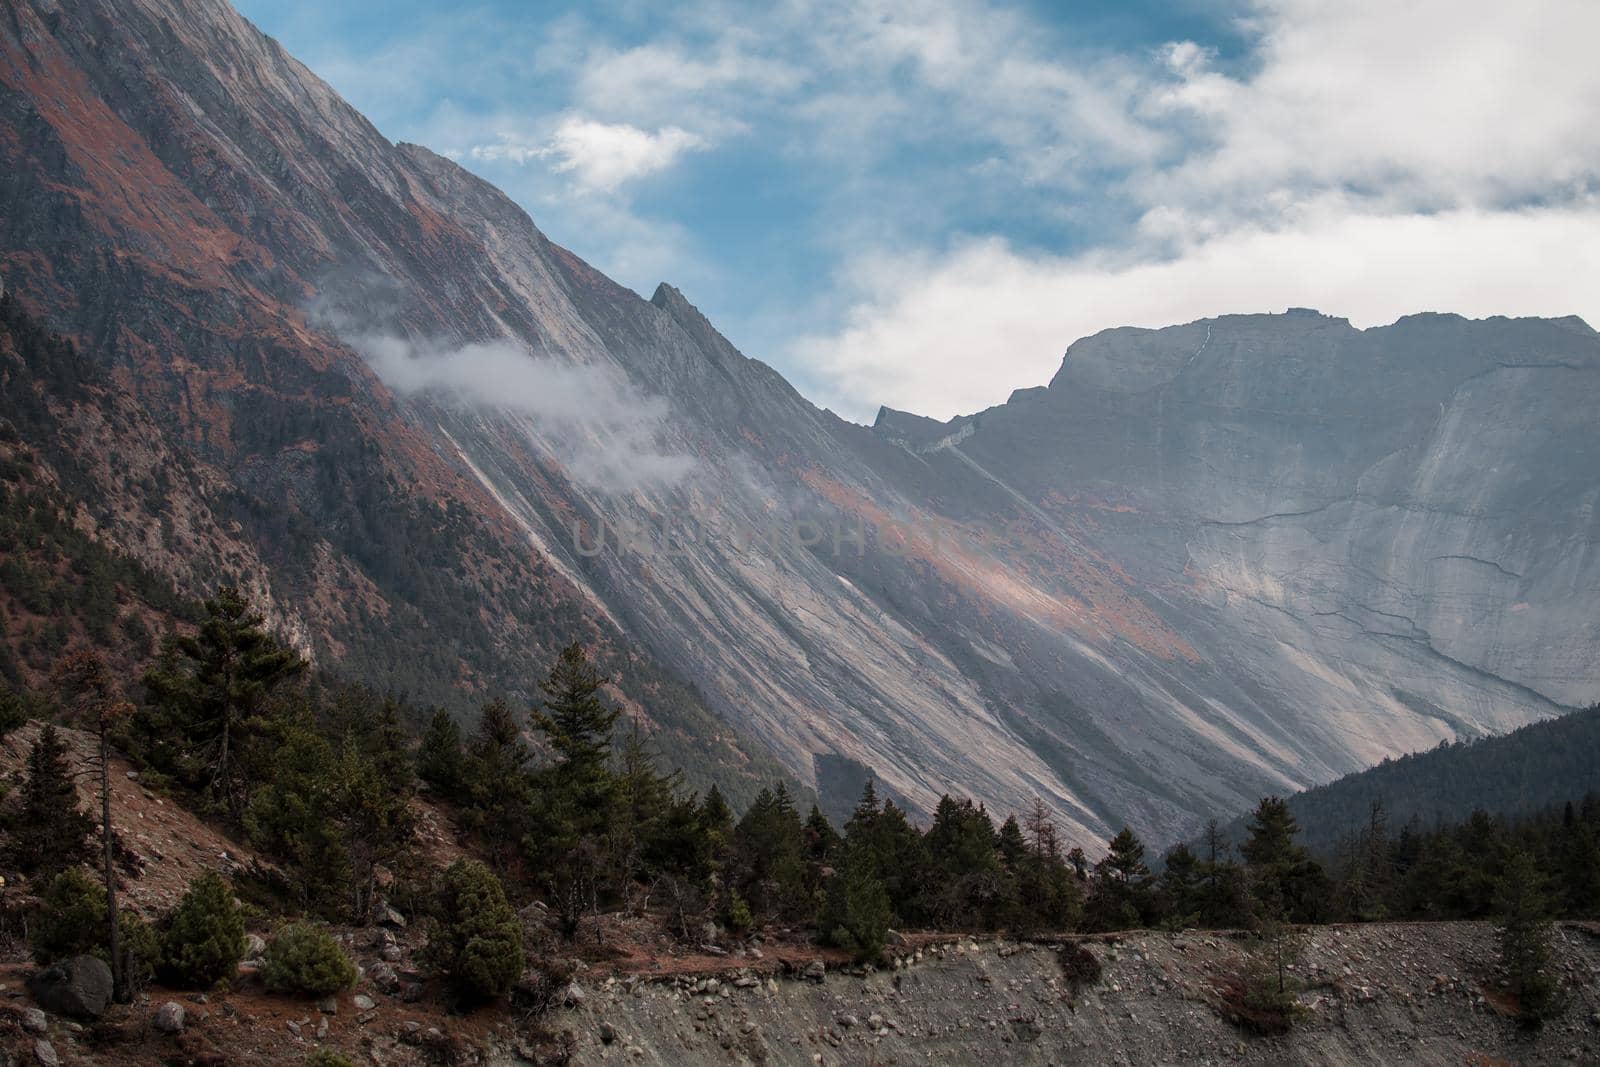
[[119, 969]]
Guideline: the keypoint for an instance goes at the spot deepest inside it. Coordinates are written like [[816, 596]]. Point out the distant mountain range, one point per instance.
[[1240, 556]]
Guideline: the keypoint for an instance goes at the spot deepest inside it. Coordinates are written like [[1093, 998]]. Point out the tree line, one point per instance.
[[565, 808]]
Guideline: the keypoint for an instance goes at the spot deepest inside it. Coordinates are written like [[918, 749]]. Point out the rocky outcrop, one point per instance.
[[1238, 556]]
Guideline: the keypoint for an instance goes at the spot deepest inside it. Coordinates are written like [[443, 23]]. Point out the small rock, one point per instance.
[[328, 1005], [847, 1021], [387, 916], [392, 953], [34, 1021], [363, 1002], [575, 995], [815, 971], [169, 1018], [608, 1033], [294, 1027], [254, 947], [322, 1029], [45, 1053]]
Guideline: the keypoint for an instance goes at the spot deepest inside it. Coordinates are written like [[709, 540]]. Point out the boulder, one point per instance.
[[79, 986], [387, 916], [169, 1018]]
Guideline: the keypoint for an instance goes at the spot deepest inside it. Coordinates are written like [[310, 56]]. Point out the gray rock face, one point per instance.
[[79, 986], [1238, 556]]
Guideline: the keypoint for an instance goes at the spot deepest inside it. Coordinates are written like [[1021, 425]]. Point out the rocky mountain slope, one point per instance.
[[1242, 555]]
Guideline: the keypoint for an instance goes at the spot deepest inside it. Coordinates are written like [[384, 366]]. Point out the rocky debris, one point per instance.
[[1372, 994], [815, 971], [169, 1018], [79, 986]]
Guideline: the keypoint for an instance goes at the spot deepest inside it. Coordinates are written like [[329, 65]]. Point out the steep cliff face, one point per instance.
[[1239, 555]]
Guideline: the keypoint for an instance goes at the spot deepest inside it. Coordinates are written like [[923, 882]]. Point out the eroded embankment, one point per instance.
[[1402, 993]]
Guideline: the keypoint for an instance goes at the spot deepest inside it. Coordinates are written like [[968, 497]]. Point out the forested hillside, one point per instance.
[[1539, 766]]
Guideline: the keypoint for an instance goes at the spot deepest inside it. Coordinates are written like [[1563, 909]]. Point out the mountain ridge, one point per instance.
[[1195, 567]]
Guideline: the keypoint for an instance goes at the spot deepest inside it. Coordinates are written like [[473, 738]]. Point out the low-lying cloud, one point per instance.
[[605, 434]]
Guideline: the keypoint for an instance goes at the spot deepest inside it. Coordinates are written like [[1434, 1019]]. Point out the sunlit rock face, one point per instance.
[[1238, 556]]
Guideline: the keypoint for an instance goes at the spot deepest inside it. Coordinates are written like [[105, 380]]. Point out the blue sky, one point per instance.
[[923, 203]]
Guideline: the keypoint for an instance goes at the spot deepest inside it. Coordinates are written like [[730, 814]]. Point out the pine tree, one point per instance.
[[856, 913], [498, 782], [1120, 897], [1525, 934], [643, 798], [372, 803], [51, 833], [13, 710], [577, 725], [769, 856], [208, 692], [1284, 875], [294, 815], [967, 887], [1181, 887], [440, 761], [822, 840]]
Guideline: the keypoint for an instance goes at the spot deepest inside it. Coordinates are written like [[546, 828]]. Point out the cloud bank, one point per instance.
[[602, 431]]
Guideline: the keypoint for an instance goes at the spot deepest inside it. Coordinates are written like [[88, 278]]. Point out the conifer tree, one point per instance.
[[769, 853], [577, 724], [208, 692], [440, 761], [1284, 876], [51, 832], [498, 782], [643, 799], [856, 913], [1524, 920]]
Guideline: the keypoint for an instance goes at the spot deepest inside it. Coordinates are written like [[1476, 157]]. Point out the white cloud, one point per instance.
[[600, 156], [953, 334], [1376, 159], [603, 432]]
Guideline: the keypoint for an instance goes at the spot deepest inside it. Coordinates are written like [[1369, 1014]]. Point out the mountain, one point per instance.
[[1244, 555], [1534, 769]]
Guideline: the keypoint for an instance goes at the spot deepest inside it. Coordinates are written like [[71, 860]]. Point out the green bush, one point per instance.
[[71, 921], [302, 958], [739, 917], [327, 1057], [476, 941], [205, 941]]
